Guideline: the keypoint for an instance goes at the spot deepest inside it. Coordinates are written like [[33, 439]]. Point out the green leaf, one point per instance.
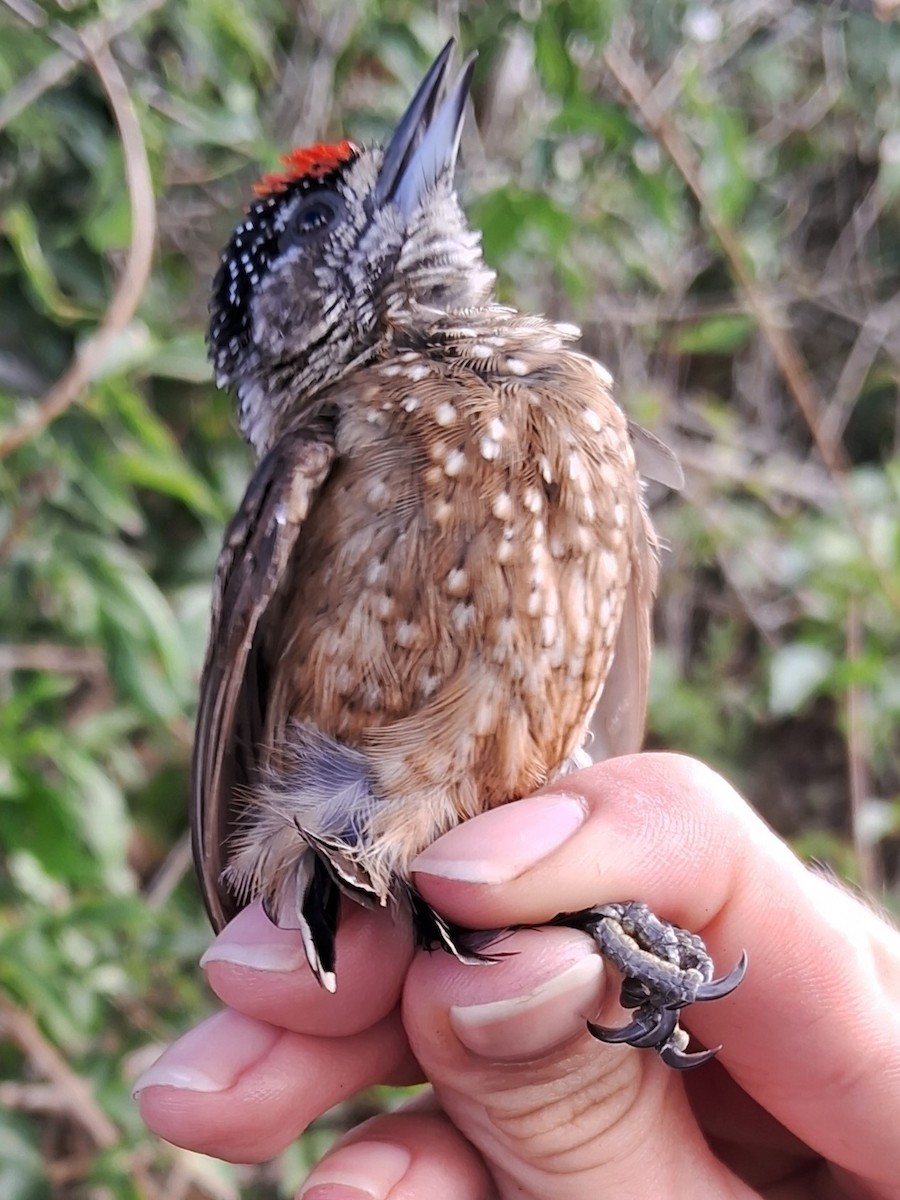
[[21, 228], [715, 335]]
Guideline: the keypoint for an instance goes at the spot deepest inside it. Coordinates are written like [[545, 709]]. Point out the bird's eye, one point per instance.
[[311, 216]]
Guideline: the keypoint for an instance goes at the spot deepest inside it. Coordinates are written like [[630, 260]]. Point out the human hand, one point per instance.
[[803, 1100]]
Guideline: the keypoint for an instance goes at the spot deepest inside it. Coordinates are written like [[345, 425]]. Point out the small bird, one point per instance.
[[442, 570]]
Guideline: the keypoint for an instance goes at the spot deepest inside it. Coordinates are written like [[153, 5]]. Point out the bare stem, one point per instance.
[[130, 287]]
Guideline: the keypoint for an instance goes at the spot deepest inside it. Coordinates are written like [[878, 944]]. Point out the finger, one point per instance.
[[261, 971], [813, 1033], [552, 1111], [408, 1155], [241, 1090]]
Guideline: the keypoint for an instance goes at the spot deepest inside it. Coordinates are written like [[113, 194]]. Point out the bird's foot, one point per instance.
[[665, 968]]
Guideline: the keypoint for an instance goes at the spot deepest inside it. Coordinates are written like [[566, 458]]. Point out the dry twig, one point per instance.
[[46, 656], [74, 1093], [634, 82], [130, 288], [56, 68]]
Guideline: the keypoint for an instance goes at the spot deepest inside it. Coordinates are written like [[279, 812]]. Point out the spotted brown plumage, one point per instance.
[[442, 568]]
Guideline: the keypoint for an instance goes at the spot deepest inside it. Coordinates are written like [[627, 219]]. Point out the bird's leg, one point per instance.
[[664, 969]]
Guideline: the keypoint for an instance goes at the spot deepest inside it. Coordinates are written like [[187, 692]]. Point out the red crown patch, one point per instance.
[[308, 162]]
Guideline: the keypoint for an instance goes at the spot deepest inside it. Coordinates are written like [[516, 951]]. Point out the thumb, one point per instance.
[[554, 1113]]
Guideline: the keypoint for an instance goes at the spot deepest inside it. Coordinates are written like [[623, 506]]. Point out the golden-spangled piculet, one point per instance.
[[442, 569]]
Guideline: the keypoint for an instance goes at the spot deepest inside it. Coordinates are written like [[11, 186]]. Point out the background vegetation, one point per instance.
[[709, 188]]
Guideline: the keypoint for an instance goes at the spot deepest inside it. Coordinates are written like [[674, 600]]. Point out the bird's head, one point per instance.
[[338, 249]]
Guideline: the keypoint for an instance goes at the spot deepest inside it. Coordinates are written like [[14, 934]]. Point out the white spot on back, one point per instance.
[[378, 494], [502, 506], [445, 414], [410, 403], [376, 573], [567, 329], [454, 463], [462, 616], [457, 582], [484, 720], [489, 449], [609, 474], [442, 512], [602, 373], [533, 500], [517, 366], [428, 685], [384, 607], [575, 467], [406, 633]]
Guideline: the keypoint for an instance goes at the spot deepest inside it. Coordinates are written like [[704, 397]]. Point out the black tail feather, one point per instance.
[[434, 933]]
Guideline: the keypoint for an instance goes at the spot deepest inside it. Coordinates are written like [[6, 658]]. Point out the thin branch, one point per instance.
[[173, 869], [73, 1093], [80, 1104], [634, 82], [130, 288], [56, 68], [631, 78], [47, 656], [33, 1097], [858, 760], [797, 482]]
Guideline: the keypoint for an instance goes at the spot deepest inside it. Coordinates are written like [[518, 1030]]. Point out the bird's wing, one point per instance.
[[620, 716], [655, 460], [621, 712], [258, 545]]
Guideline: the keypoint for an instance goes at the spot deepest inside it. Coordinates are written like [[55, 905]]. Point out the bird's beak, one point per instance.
[[426, 142]]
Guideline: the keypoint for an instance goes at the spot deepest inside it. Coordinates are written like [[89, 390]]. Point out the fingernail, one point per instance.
[[363, 1171], [211, 1057], [500, 845], [251, 940], [258, 956], [530, 1025]]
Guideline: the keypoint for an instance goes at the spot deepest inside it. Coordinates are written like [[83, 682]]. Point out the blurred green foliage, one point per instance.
[[778, 619]]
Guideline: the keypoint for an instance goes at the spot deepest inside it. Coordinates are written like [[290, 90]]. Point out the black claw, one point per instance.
[[633, 993], [717, 988], [673, 1056], [652, 1029], [666, 1025], [664, 969], [635, 1032]]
